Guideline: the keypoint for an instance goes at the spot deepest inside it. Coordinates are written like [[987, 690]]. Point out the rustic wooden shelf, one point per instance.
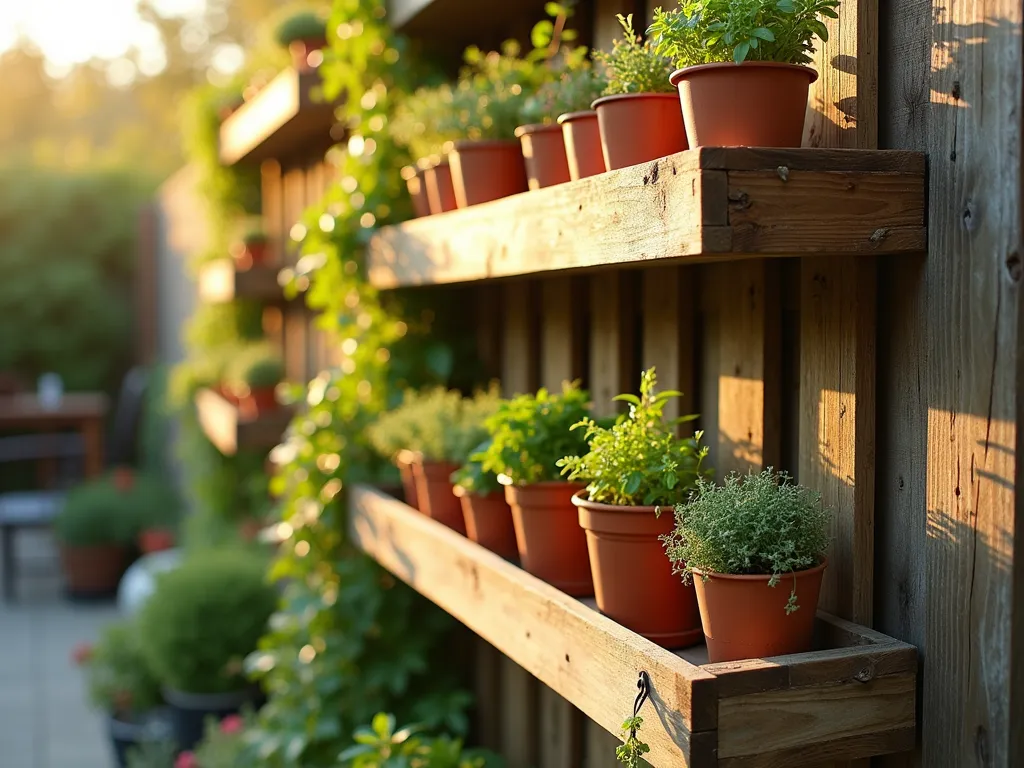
[[447, 26], [854, 698], [224, 426], [286, 117], [700, 205], [220, 281]]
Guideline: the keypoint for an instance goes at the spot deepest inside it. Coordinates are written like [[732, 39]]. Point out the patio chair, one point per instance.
[[37, 509]]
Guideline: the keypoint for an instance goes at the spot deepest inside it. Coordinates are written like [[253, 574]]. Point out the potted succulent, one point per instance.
[[121, 684], [95, 530], [633, 469], [201, 622], [253, 251], [253, 376], [302, 34], [754, 548], [743, 76], [529, 434], [487, 514], [639, 112], [423, 124]]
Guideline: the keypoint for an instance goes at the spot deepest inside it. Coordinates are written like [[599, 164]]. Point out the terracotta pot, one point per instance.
[[155, 540], [753, 104], [405, 461], [253, 254], [744, 618], [633, 580], [92, 571], [544, 153], [552, 546], [301, 50], [582, 136], [489, 522], [440, 188], [486, 170], [415, 183], [434, 491], [639, 127], [258, 401]]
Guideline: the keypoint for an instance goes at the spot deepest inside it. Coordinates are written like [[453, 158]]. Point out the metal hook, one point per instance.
[[644, 686]]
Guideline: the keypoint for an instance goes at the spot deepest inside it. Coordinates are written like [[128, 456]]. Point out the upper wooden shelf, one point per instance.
[[225, 427], [220, 281], [447, 27], [285, 118], [699, 205], [853, 698]]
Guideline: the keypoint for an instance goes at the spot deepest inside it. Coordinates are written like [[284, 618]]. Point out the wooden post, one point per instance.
[[612, 304], [669, 334], [519, 353]]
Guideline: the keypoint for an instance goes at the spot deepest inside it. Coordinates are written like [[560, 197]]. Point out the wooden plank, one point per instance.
[[973, 273], [612, 324], [222, 425], [600, 745], [489, 328], [562, 332], [518, 716], [582, 655], [219, 281], [487, 687], [560, 727], [747, 203], [519, 353], [669, 334]]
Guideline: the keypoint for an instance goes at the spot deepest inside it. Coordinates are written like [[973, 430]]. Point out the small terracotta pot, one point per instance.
[[582, 136], [753, 104], [440, 188], [633, 580], [155, 540], [744, 618], [434, 491], [415, 183], [489, 522], [92, 571], [639, 127], [544, 153], [486, 170], [405, 460], [259, 401], [552, 546], [253, 254], [300, 50]]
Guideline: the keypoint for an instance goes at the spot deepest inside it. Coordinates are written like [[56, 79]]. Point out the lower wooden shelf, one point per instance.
[[224, 426], [220, 281], [854, 697]]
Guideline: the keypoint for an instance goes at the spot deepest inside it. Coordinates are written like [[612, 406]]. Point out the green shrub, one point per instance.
[[530, 433], [639, 461], [117, 675], [300, 26], [114, 508], [708, 31], [758, 524], [257, 366], [633, 66], [204, 618], [380, 745]]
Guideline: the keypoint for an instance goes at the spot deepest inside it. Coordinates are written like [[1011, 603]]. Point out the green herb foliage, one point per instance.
[[117, 675], [255, 366], [631, 752], [423, 121], [204, 618], [758, 524], [300, 26], [639, 461], [634, 65], [153, 754], [380, 745], [574, 91], [473, 478], [106, 511], [531, 433], [708, 31]]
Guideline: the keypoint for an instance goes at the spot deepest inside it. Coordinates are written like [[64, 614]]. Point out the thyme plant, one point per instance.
[[634, 65]]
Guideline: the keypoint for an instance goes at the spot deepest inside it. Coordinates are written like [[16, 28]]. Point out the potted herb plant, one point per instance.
[[423, 124], [529, 434], [303, 34], [253, 251], [196, 629], [754, 548], [253, 376], [120, 683], [413, 175], [639, 112], [633, 469], [743, 76], [390, 435], [487, 514]]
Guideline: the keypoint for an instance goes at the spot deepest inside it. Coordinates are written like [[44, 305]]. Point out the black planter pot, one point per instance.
[[126, 734], [189, 711]]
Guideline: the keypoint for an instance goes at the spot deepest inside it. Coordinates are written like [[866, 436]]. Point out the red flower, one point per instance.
[[231, 724], [82, 653], [186, 760]]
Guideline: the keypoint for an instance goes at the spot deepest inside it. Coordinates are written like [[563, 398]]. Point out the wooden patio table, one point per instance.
[[80, 411]]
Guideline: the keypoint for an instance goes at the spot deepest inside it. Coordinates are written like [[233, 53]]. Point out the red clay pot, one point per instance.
[[552, 546], [544, 153], [155, 540], [440, 188], [258, 401], [405, 460], [633, 580], [486, 170], [434, 491], [301, 49], [253, 254], [582, 136], [94, 570], [753, 104], [639, 127], [744, 618], [415, 183], [489, 522]]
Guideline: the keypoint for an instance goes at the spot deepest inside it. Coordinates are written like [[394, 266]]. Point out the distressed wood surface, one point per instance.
[[224, 427], [562, 331], [519, 352], [668, 314], [705, 204], [612, 326]]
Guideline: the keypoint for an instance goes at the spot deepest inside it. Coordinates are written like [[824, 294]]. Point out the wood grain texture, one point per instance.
[[612, 328], [560, 727], [518, 715], [703, 204], [973, 275], [562, 331], [519, 353], [669, 333], [487, 690]]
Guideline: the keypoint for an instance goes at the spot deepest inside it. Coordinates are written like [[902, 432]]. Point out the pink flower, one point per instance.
[[231, 724], [186, 760]]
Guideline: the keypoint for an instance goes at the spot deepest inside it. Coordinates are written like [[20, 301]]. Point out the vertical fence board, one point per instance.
[[295, 202], [489, 329], [272, 197], [518, 715], [668, 334], [612, 326], [519, 355], [561, 333], [487, 687]]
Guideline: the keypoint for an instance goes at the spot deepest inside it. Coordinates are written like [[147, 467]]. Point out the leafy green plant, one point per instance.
[[634, 65], [758, 524], [204, 618], [153, 754], [423, 121], [639, 461], [225, 744], [112, 511], [631, 752], [473, 478], [257, 366], [575, 89], [117, 675], [300, 26], [380, 745], [531, 433], [255, 237], [708, 31]]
